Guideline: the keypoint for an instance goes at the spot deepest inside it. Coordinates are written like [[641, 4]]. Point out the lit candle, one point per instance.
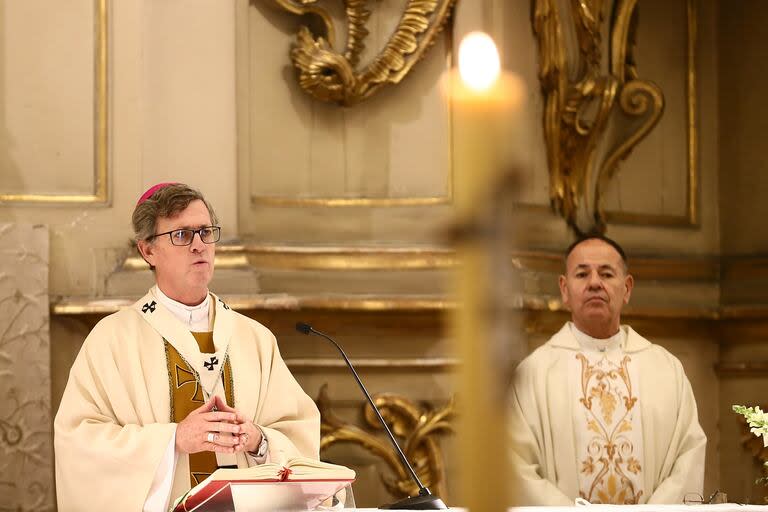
[[486, 104]]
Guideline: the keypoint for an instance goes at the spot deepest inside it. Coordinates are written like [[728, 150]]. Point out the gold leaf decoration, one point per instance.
[[332, 75], [588, 466], [624, 427], [633, 465], [607, 401], [417, 428], [592, 118]]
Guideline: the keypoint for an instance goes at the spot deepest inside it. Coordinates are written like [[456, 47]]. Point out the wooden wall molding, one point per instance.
[[539, 313], [746, 266], [351, 302], [297, 364], [100, 192], [292, 257], [742, 369]]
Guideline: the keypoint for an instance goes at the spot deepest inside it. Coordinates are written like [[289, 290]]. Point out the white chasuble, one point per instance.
[[114, 424], [550, 431], [607, 421]]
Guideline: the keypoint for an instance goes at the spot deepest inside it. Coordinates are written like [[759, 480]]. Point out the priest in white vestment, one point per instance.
[[165, 392], [598, 412]]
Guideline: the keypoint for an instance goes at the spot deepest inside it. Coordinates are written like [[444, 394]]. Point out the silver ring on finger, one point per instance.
[[245, 438], [211, 437]]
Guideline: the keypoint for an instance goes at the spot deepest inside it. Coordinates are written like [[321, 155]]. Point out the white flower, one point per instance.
[[756, 419]]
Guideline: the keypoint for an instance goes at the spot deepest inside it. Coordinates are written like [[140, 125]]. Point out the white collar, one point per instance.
[[195, 318], [587, 342]]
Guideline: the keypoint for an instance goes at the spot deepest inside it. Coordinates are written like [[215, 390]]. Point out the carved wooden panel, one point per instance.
[[26, 454], [53, 112]]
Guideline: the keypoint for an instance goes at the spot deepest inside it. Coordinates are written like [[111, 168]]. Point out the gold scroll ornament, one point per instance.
[[416, 428], [595, 112], [332, 75]]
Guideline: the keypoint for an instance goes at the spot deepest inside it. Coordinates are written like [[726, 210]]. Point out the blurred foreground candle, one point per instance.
[[487, 105]]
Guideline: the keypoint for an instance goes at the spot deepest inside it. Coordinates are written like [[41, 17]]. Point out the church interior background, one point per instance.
[[336, 198]]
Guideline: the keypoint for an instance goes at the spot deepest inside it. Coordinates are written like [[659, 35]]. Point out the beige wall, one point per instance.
[[652, 181], [172, 117], [320, 146], [744, 237], [743, 120]]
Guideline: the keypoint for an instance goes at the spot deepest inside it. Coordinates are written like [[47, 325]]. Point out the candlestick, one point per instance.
[[486, 105]]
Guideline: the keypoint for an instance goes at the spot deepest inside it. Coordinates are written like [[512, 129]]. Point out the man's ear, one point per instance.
[[629, 283], [147, 251], [563, 289]]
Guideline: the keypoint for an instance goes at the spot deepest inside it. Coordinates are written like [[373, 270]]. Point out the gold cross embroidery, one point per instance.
[[184, 376]]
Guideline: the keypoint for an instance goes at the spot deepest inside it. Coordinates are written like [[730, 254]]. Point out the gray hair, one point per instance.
[[166, 202]]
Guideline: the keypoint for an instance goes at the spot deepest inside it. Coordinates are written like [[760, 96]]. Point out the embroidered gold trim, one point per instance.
[[610, 452], [166, 345]]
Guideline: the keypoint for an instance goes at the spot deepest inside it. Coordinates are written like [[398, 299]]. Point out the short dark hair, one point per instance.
[[603, 238], [165, 202]]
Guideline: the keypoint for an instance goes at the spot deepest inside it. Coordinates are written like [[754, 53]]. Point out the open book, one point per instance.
[[298, 484]]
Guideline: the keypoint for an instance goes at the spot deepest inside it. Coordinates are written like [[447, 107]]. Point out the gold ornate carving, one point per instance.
[[418, 428], [592, 119], [332, 75], [100, 193]]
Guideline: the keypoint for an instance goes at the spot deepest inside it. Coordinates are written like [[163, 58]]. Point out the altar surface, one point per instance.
[[721, 507]]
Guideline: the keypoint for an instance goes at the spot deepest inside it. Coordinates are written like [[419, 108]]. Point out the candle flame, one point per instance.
[[479, 65]]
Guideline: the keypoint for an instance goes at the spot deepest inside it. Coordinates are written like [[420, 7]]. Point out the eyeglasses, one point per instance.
[[208, 235], [694, 498]]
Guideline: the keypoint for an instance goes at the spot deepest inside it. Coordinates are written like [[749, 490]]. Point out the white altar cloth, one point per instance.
[[721, 507]]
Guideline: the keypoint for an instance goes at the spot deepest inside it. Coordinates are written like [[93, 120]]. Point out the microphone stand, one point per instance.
[[425, 500]]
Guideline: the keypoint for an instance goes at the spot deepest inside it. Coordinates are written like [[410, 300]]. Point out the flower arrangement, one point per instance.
[[756, 419], [758, 425]]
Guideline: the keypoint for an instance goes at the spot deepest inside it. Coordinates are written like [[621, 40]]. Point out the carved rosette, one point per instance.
[[332, 74], [416, 427], [592, 118]]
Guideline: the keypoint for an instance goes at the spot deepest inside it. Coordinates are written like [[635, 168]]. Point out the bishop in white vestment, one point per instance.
[[168, 390], [605, 416]]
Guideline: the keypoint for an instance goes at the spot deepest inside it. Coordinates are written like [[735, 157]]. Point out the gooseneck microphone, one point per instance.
[[425, 500]]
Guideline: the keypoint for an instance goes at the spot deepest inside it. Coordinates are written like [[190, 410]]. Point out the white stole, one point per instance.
[[607, 420], [208, 367]]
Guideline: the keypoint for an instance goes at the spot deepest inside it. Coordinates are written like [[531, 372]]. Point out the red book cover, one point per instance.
[[246, 495]]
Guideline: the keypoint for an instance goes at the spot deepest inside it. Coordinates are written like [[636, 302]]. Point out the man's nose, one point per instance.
[[197, 242], [594, 280]]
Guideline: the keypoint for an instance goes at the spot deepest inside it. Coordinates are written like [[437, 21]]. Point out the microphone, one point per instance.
[[425, 500]]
